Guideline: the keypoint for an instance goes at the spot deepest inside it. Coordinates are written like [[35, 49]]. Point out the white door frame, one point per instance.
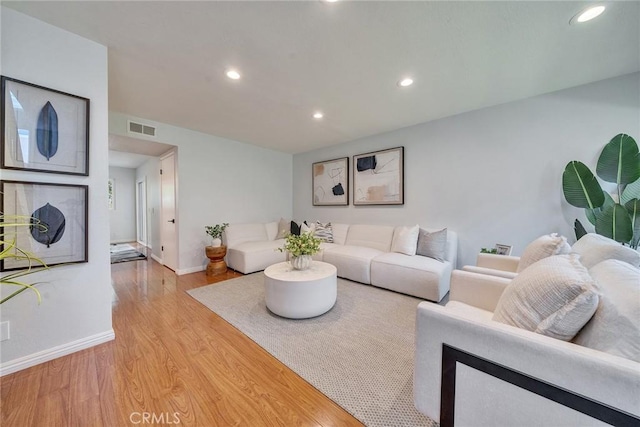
[[163, 238], [142, 227]]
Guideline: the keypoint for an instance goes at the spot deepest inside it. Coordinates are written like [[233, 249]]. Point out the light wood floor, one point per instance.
[[172, 359]]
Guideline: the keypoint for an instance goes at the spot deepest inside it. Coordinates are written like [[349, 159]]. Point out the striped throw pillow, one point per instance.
[[324, 232]]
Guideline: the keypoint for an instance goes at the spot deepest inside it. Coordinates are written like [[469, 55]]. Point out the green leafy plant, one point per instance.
[[304, 244], [216, 231], [11, 251], [615, 215], [488, 251]]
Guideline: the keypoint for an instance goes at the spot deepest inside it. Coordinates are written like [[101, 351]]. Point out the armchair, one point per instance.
[[471, 370]]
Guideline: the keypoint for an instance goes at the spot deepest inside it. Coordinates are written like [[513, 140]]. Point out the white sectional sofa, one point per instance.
[[360, 252]]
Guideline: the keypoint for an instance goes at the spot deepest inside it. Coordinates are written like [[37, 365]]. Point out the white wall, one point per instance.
[[493, 175], [76, 307], [219, 180], [150, 172], [122, 219]]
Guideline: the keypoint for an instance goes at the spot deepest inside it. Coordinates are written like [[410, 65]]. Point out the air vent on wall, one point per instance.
[[141, 129]]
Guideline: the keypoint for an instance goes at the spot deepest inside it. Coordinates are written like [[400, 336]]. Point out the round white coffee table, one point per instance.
[[300, 294]]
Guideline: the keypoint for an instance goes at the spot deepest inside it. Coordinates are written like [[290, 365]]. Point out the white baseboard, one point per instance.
[[155, 258], [146, 245], [55, 352], [190, 270], [133, 239]]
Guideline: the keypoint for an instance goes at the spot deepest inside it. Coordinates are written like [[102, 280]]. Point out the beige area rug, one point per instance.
[[359, 354]]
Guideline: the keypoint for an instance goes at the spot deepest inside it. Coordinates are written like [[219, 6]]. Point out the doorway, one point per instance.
[[141, 214]]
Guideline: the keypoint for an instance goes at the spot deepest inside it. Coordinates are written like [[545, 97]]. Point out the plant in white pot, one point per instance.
[[301, 248], [215, 232]]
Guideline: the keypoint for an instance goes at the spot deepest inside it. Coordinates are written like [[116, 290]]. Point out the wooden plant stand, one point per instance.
[[216, 260]]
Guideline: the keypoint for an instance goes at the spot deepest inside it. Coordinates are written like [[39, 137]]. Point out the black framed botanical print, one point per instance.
[[56, 218], [43, 130]]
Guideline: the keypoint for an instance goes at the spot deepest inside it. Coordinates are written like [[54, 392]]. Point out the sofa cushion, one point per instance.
[[614, 327], [469, 311], [405, 240], [594, 248], [236, 234], [554, 296], [272, 230], [324, 232], [250, 257], [340, 233], [432, 244], [295, 228], [542, 247], [352, 262], [415, 275], [370, 236]]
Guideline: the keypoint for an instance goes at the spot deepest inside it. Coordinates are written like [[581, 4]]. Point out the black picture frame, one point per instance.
[[330, 182], [378, 177], [42, 129], [62, 208]]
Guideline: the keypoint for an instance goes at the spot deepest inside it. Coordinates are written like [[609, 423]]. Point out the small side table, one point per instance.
[[216, 256]]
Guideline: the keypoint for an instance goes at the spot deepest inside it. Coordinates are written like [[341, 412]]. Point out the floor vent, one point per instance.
[[141, 129]]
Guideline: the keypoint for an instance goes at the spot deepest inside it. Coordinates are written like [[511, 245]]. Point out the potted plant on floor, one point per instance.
[[301, 248]]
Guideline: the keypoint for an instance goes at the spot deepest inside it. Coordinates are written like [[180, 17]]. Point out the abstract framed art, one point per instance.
[[330, 182], [43, 130], [378, 177], [58, 214]]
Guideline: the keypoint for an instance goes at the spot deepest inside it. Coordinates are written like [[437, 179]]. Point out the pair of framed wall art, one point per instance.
[[378, 179], [46, 131]]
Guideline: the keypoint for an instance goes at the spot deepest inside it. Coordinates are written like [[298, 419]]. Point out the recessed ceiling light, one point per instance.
[[331, 1], [587, 14], [405, 82], [233, 74], [318, 115]]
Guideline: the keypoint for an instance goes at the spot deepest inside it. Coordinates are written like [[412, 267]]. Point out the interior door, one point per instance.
[[169, 224]]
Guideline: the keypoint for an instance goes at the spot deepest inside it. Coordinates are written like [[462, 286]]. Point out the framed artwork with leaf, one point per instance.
[[57, 218], [43, 130]]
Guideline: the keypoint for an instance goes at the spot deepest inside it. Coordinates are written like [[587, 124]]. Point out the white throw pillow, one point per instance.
[[594, 248], [542, 247], [405, 240], [615, 328], [554, 296]]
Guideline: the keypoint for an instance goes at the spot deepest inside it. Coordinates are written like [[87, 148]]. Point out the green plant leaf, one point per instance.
[[631, 191], [579, 229], [580, 186], [619, 161], [633, 208], [615, 223]]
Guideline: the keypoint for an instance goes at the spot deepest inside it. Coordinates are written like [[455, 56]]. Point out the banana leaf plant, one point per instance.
[[11, 251], [616, 215]]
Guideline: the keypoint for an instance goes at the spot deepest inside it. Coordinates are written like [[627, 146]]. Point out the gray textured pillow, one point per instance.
[[284, 227], [542, 247], [615, 327], [432, 245], [554, 296]]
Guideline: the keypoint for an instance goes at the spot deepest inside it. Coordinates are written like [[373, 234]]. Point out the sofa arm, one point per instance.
[[479, 290], [490, 271], [498, 262], [482, 399]]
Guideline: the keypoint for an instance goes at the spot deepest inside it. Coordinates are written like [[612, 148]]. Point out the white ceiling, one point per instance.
[[167, 60], [127, 160]]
